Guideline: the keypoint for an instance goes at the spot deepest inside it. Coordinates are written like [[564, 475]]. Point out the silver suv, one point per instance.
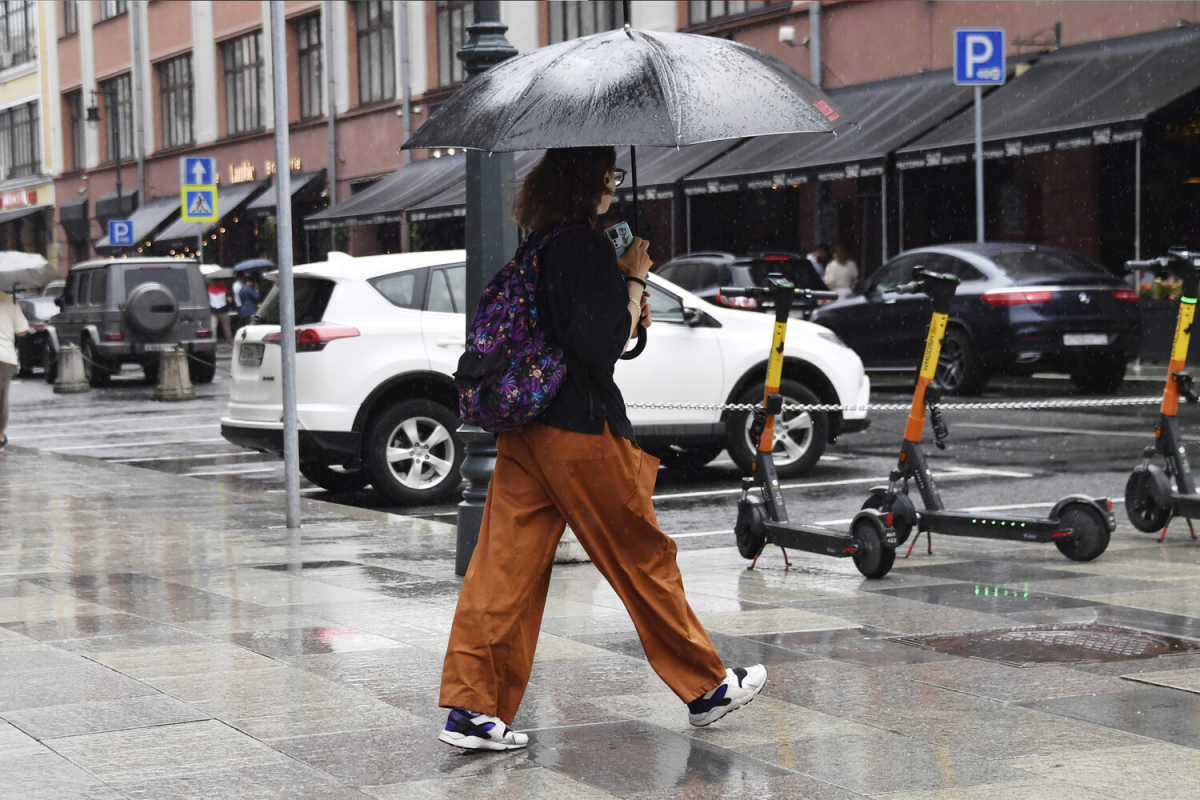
[[129, 310]]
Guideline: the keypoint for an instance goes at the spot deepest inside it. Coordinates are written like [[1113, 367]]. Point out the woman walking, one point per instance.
[[576, 464], [12, 324]]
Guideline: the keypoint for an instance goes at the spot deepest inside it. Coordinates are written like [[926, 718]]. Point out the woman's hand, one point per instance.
[[636, 262]]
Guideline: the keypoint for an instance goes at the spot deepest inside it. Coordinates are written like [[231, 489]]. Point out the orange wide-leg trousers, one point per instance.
[[600, 485]]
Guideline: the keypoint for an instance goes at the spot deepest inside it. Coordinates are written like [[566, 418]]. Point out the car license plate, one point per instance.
[[1084, 339], [158, 347], [251, 355]]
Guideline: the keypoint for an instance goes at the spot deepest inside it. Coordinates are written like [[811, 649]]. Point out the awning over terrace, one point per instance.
[[147, 219], [388, 199]]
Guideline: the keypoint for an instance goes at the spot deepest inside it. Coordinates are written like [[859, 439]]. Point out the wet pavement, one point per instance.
[[164, 636]]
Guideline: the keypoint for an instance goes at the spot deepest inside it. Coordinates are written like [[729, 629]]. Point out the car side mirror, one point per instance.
[[692, 317], [58, 301]]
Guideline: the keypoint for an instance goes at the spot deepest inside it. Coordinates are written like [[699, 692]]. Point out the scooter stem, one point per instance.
[[1183, 337]]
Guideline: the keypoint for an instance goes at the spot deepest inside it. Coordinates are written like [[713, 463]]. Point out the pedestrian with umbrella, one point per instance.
[[577, 463], [17, 271]]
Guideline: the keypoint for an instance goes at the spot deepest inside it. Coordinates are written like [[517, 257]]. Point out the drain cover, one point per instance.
[[1056, 644]]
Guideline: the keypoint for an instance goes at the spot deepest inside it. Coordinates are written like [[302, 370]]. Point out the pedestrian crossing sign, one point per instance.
[[199, 204]]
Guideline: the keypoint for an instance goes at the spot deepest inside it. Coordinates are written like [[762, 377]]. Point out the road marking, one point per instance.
[[275, 468], [115, 433], [133, 444], [1071, 431], [108, 420], [957, 472], [230, 454]]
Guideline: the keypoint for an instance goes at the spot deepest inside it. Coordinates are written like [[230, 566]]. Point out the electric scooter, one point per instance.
[[1080, 526], [1149, 499], [762, 515]]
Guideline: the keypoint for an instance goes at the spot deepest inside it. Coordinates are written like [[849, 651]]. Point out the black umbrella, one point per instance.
[[628, 87]]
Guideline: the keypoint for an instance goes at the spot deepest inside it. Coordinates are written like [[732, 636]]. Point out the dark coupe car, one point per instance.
[[1019, 308], [703, 274]]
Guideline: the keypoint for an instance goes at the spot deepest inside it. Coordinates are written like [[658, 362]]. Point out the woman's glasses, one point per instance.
[[618, 176]]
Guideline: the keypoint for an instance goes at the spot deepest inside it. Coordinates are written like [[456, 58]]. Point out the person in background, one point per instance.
[[817, 257], [12, 325], [247, 300], [235, 293], [841, 273], [218, 303]]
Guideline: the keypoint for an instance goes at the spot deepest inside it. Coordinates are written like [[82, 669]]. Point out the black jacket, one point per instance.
[[584, 305]]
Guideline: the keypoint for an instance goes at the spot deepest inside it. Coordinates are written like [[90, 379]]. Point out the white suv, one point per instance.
[[379, 337]]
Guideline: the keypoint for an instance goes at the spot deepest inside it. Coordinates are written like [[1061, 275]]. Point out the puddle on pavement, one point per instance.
[[1056, 644]]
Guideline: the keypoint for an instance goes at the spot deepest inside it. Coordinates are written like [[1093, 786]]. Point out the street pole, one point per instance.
[[815, 72], [978, 163], [283, 234], [331, 103], [491, 240]]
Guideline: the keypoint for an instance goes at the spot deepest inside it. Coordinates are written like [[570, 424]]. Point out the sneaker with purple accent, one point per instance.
[[472, 731], [741, 685]]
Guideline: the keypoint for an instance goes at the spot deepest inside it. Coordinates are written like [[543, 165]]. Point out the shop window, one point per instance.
[[20, 151], [112, 8], [75, 121], [70, 11], [570, 20], [18, 32], [243, 83], [453, 19], [175, 100], [376, 51], [308, 41], [118, 117], [700, 12]]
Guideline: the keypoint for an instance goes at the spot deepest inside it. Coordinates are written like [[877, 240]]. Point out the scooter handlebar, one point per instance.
[[1153, 263], [813, 294], [740, 291]]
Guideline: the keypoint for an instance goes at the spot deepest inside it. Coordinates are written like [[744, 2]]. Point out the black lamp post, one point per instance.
[[93, 115], [491, 238]]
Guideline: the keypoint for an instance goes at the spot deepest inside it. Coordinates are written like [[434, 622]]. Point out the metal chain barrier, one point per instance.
[[1022, 405]]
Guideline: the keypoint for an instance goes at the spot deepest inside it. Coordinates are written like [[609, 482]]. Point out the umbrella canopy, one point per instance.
[[629, 87], [24, 271], [253, 263]]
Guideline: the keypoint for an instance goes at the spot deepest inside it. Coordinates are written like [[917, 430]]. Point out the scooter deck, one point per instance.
[[1186, 505], [811, 539], [985, 526]]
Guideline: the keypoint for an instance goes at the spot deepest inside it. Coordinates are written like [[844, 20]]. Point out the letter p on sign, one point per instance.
[[979, 57]]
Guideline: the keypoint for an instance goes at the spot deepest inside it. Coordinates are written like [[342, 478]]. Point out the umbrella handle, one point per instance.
[[637, 348]]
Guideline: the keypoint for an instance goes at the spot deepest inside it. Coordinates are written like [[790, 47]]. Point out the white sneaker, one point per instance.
[[472, 731], [740, 686]]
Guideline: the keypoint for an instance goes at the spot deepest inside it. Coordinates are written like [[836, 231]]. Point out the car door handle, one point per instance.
[[453, 341]]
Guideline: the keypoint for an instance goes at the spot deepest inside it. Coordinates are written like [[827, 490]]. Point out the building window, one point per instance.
[[175, 98], [70, 17], [18, 32], [376, 51], [570, 20], [699, 12], [118, 117], [112, 8], [76, 120], [453, 18], [20, 153], [308, 40], [243, 84]]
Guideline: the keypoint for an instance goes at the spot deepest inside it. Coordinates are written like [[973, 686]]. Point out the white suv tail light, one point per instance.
[[311, 338]]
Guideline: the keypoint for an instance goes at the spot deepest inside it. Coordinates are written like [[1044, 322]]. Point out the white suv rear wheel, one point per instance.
[[412, 454]]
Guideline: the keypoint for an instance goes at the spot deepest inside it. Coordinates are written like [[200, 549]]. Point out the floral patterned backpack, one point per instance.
[[510, 371]]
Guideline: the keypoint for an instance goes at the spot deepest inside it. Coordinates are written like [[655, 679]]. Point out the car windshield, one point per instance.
[[1034, 263], [177, 279], [312, 296]]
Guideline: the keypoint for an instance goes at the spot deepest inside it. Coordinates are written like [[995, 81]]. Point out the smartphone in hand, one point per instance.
[[621, 237]]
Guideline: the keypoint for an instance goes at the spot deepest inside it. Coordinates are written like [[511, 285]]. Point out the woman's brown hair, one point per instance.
[[565, 186]]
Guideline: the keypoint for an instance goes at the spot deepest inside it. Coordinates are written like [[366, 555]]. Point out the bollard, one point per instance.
[[570, 551], [174, 378], [71, 378]]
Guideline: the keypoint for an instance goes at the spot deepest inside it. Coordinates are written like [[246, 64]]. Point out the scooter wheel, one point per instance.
[[750, 529], [904, 514], [1091, 532], [1147, 498], [873, 559]]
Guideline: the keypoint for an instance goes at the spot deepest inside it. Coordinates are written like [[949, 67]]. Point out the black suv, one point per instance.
[[703, 274], [129, 310]]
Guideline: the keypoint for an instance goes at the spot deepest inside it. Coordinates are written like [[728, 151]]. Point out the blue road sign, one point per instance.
[[198, 171], [120, 233], [199, 204], [979, 57]]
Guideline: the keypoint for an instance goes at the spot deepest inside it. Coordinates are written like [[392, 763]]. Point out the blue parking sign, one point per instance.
[[979, 57], [120, 233]]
